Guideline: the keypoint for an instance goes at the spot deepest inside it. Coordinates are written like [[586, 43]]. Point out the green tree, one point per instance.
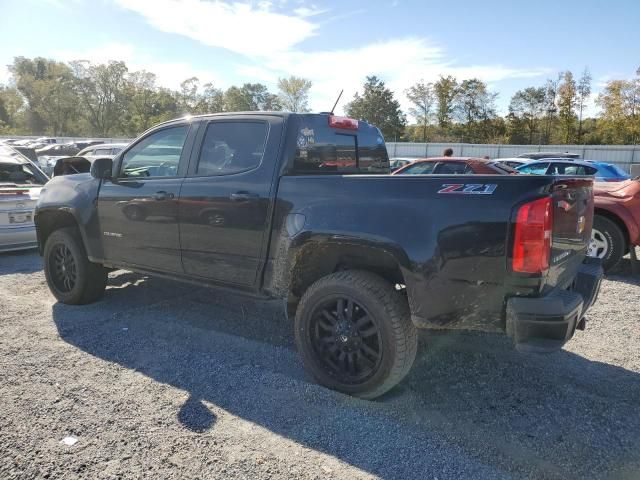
[[104, 94], [48, 87], [11, 108], [475, 107], [446, 90], [378, 107], [142, 106], [528, 107], [250, 97], [551, 110], [422, 98], [567, 100], [583, 92], [620, 104], [294, 93], [189, 94], [211, 100]]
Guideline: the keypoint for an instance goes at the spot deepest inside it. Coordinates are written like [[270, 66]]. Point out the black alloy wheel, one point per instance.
[[346, 340], [64, 272]]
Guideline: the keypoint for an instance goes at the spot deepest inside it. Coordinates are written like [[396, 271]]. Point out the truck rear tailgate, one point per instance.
[[572, 221]]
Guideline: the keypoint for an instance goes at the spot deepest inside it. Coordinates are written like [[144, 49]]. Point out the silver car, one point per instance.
[[101, 151], [20, 184]]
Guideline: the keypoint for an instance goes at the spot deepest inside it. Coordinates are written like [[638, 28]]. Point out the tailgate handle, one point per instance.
[[244, 196]]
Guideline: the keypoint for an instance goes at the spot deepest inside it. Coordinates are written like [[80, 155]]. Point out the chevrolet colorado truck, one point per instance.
[[301, 207]]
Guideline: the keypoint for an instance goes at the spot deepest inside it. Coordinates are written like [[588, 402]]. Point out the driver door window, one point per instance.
[[157, 155]]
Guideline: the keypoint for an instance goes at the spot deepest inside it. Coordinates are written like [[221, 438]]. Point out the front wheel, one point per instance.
[[71, 277], [355, 335], [607, 242]]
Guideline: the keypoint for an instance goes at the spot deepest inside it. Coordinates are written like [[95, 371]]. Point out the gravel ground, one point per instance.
[[163, 380]]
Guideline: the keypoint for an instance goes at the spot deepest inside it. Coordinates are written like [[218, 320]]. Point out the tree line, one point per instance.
[[78, 98]]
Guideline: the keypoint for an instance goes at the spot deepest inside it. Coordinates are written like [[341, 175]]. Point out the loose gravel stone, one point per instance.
[[163, 380]]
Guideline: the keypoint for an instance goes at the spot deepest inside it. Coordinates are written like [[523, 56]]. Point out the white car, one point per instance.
[[399, 162], [513, 162], [101, 151], [20, 184]]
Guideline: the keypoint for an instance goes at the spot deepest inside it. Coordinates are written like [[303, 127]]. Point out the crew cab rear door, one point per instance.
[[138, 209], [227, 197]]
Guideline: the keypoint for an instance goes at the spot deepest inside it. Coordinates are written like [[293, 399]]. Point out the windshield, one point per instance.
[[20, 174]]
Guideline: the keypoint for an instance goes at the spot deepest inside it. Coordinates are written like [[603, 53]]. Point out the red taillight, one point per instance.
[[343, 122], [532, 241]]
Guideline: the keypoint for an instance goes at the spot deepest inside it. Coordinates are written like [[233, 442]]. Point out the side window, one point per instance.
[[536, 169], [232, 147], [102, 151], [452, 168], [156, 155], [420, 168]]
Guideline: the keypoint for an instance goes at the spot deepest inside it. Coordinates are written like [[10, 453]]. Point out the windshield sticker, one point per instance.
[[468, 188]]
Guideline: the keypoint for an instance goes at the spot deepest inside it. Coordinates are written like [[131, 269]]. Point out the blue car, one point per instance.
[[603, 172]]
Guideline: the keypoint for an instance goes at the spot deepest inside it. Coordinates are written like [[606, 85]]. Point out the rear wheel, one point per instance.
[[71, 277], [607, 242], [354, 333]]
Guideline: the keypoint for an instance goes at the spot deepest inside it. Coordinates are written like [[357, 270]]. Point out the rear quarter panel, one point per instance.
[[451, 248]]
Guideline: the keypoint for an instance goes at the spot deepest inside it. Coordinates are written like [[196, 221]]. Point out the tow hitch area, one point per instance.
[[545, 324]]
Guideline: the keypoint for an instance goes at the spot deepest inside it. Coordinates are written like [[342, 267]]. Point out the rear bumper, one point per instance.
[[545, 324], [18, 238]]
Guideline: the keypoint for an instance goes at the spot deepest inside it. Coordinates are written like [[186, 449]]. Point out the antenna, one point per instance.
[[336, 104]]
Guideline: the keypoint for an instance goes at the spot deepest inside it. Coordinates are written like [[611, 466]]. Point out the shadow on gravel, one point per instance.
[[623, 272], [510, 414], [23, 261]]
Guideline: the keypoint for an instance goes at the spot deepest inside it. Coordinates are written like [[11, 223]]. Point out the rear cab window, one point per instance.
[[321, 149]]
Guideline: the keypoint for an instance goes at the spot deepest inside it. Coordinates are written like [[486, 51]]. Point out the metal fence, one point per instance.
[[622, 155]]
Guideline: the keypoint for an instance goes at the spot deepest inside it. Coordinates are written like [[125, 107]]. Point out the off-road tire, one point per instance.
[[90, 278], [390, 309]]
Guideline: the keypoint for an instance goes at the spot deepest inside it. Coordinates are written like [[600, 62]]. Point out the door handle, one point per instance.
[[244, 196], [162, 195]]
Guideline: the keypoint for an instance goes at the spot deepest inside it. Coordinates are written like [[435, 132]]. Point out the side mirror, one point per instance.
[[102, 168]]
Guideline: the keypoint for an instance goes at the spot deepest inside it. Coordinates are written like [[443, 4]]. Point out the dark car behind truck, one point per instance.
[[300, 207]]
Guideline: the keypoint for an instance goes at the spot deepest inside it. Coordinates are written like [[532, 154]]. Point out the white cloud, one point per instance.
[[269, 40], [240, 27], [169, 74], [400, 63]]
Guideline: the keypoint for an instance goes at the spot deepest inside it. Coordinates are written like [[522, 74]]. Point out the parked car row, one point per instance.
[[46, 152], [616, 224]]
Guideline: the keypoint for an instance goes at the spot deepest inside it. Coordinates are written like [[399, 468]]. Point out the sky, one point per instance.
[[334, 43]]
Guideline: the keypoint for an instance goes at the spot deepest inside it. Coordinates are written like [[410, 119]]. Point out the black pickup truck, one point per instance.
[[300, 207]]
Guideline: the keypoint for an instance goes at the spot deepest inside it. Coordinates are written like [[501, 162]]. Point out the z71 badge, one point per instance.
[[469, 188]]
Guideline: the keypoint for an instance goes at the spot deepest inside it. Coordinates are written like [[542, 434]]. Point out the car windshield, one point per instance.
[[20, 174]]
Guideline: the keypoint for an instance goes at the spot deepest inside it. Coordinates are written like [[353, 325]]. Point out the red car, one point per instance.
[[456, 166], [616, 224]]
